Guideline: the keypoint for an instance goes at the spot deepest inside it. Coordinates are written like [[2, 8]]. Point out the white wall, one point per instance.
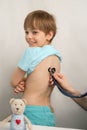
[[71, 16]]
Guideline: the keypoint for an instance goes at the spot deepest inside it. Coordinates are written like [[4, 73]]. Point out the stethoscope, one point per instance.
[[52, 71]]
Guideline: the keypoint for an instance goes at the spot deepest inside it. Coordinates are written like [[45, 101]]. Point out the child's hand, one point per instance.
[[51, 83], [20, 87]]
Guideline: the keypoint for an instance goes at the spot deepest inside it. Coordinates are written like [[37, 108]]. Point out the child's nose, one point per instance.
[[29, 35]]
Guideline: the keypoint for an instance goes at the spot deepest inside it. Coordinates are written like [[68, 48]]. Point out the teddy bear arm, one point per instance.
[[28, 123]]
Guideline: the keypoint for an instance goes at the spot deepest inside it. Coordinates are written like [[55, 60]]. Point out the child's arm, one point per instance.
[[17, 77], [63, 81]]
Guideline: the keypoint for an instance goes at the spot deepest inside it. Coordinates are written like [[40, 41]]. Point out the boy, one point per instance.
[[40, 29]]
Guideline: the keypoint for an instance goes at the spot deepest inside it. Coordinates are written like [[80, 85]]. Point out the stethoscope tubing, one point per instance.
[[66, 93]]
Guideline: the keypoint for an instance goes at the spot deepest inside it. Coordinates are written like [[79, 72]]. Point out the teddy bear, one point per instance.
[[18, 119]]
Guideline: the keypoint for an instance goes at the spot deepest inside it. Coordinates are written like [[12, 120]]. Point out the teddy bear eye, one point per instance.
[[15, 104]]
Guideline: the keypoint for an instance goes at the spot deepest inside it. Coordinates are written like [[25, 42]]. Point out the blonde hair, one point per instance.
[[41, 20]]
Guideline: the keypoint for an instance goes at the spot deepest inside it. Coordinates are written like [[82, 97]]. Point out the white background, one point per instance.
[[71, 41]]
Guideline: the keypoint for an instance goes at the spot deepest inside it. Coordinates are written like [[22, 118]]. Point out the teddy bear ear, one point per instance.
[[24, 100], [11, 100]]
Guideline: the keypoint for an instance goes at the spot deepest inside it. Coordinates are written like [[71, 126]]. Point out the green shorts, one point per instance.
[[40, 115]]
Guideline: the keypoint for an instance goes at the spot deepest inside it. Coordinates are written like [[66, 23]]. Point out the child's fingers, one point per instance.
[[19, 89], [51, 82], [22, 83], [21, 86], [16, 91]]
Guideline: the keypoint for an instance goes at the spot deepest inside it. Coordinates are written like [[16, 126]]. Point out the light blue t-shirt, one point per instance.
[[34, 55]]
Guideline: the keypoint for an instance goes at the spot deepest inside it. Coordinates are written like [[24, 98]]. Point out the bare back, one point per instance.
[[37, 90]]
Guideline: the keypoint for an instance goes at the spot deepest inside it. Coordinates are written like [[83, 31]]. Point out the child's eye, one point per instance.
[[34, 32], [26, 32]]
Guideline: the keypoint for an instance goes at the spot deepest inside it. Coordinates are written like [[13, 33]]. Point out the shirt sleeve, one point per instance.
[[24, 61]]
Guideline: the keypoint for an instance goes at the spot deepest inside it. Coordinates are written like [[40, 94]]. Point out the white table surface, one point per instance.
[[35, 127]]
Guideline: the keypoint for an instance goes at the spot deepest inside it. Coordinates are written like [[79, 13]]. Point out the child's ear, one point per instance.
[[50, 35]]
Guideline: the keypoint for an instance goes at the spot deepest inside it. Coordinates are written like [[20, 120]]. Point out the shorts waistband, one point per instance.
[[39, 108]]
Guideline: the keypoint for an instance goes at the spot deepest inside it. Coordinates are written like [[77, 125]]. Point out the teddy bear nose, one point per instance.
[[17, 108]]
